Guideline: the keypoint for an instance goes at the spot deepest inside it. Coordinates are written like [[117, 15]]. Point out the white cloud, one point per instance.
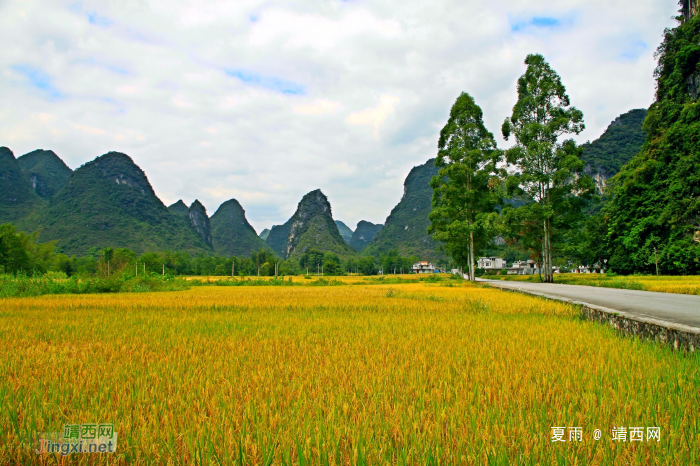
[[375, 116], [317, 31], [318, 107], [90, 130], [265, 100]]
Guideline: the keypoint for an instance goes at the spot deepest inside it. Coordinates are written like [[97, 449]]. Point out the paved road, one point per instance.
[[679, 310]]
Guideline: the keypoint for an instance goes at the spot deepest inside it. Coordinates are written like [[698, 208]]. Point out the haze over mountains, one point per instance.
[[109, 202]]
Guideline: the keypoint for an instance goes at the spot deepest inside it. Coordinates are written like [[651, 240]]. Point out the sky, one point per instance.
[[264, 100]]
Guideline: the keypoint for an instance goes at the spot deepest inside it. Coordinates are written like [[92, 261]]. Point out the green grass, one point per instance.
[[57, 283], [664, 284]]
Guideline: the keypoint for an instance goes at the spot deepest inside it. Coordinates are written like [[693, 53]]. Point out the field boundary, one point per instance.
[[679, 336]]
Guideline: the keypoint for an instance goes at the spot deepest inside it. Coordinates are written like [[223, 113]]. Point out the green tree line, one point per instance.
[[20, 253]]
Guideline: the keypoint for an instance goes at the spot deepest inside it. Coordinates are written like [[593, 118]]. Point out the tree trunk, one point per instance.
[[547, 251], [472, 278]]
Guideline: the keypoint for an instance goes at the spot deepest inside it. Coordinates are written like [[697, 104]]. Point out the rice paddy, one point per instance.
[[404, 373]]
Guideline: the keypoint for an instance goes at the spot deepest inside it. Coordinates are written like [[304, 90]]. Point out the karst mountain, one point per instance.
[[109, 202]]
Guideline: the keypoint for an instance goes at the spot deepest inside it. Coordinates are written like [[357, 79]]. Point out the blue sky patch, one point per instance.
[[39, 80], [540, 22], [634, 50], [98, 20], [92, 17], [272, 83]]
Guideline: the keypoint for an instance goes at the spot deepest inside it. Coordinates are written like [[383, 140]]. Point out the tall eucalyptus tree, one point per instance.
[[467, 187], [548, 173]]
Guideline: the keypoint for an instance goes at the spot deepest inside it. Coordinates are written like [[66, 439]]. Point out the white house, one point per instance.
[[423, 267], [491, 263], [527, 267]]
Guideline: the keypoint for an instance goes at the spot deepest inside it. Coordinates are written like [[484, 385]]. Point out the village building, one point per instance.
[[527, 267], [423, 267], [491, 263]]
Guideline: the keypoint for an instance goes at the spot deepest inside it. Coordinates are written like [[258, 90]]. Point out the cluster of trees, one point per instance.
[[537, 196], [541, 172], [652, 215], [20, 252]]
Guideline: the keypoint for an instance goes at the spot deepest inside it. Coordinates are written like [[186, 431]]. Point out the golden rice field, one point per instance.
[[346, 279], [665, 284], [414, 373]]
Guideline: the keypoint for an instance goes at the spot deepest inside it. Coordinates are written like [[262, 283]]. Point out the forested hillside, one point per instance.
[[406, 228], [654, 208], [312, 227], [110, 203], [277, 238], [364, 234], [46, 172], [18, 200], [231, 232], [621, 141], [344, 230]]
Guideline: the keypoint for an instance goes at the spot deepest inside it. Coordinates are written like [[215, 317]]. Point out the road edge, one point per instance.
[[678, 336]]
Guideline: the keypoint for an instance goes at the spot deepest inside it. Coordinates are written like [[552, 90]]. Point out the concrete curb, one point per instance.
[[679, 336]]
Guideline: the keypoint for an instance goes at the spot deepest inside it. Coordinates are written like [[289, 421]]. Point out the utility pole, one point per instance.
[[164, 270], [137, 268], [233, 268], [108, 268], [656, 259]]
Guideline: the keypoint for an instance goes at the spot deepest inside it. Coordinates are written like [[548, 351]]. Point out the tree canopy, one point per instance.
[[466, 188], [653, 210], [548, 174]]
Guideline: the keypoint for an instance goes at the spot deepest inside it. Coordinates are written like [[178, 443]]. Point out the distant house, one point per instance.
[[423, 267], [491, 263], [527, 267]]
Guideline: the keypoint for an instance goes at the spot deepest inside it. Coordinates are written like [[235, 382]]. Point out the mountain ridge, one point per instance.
[[406, 228], [619, 143], [344, 231], [18, 200], [364, 234], [46, 171], [312, 227], [109, 202], [231, 233]]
